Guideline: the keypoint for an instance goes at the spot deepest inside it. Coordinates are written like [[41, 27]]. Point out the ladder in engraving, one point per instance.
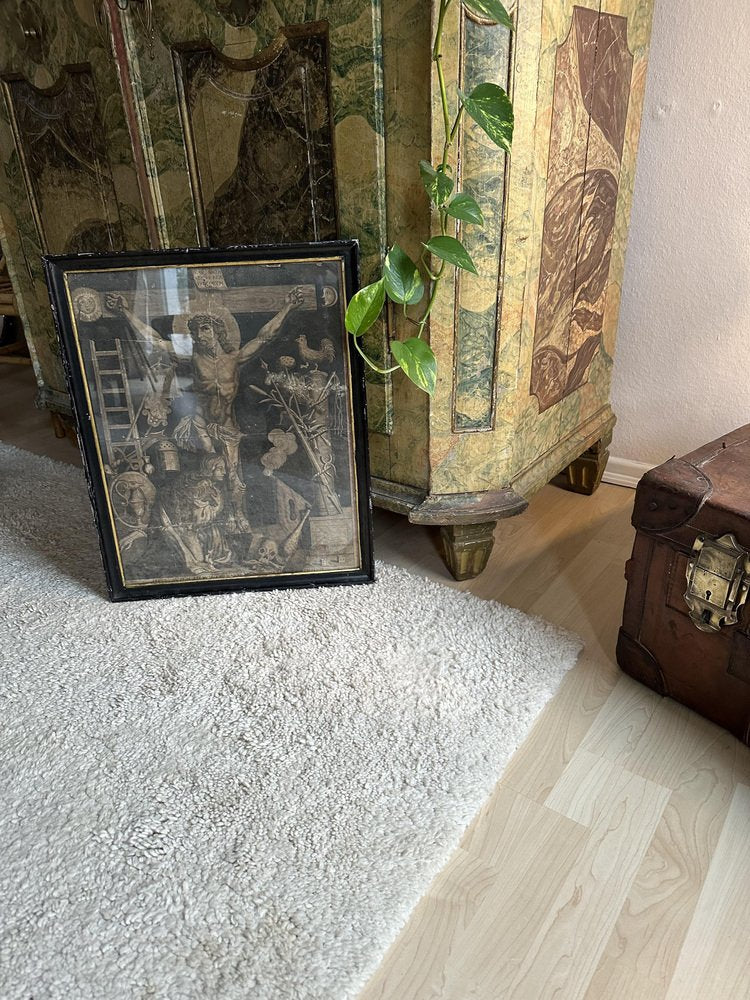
[[121, 440]]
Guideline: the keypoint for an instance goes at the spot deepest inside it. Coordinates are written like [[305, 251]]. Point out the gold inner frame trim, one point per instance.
[[354, 478]]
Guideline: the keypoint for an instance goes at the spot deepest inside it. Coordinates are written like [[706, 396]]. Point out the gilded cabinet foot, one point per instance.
[[584, 475], [466, 547]]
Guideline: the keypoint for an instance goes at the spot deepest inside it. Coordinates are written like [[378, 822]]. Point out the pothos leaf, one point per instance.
[[490, 10], [465, 208], [491, 109], [437, 183], [452, 251], [403, 283], [364, 308], [418, 362]]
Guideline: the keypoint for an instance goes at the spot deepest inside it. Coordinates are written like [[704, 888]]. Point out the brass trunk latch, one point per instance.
[[718, 576]]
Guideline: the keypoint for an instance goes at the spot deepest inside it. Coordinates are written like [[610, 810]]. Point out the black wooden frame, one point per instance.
[[57, 267]]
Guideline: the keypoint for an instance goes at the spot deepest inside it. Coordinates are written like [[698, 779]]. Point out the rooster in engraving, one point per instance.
[[326, 351]]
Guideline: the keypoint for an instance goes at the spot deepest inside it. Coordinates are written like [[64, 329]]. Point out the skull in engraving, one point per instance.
[[268, 555]]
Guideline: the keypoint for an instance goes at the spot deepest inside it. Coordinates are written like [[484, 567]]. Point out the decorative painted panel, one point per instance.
[[62, 150], [592, 90], [260, 142], [78, 164], [482, 169]]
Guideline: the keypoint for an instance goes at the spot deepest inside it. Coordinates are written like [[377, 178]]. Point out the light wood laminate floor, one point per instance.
[[613, 859]]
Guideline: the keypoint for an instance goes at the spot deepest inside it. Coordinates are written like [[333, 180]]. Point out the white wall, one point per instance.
[[682, 367]]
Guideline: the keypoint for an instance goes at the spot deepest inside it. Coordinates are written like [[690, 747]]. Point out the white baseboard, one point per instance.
[[624, 472]]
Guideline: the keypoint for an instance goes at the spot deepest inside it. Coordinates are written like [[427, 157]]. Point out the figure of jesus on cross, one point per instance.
[[216, 364]]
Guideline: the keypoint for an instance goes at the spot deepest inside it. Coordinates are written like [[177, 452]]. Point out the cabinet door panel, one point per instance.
[[62, 151], [67, 178], [259, 138], [219, 80], [592, 91]]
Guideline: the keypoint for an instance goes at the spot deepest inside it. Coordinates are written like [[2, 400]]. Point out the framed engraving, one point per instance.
[[221, 415]]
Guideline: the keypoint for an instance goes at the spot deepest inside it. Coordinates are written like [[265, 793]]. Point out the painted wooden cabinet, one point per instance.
[[202, 122], [525, 351]]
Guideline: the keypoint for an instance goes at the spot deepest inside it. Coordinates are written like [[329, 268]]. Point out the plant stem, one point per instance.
[[371, 363], [455, 124], [426, 265], [437, 57], [431, 302]]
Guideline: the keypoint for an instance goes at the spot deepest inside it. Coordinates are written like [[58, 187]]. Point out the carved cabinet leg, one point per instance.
[[466, 547], [584, 475], [64, 427]]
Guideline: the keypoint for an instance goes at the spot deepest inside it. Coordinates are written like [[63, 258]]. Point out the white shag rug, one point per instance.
[[240, 796]]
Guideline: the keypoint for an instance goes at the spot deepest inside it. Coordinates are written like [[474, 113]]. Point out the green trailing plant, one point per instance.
[[403, 281]]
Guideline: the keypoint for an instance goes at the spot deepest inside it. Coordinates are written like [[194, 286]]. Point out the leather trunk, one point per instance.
[[703, 496]]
